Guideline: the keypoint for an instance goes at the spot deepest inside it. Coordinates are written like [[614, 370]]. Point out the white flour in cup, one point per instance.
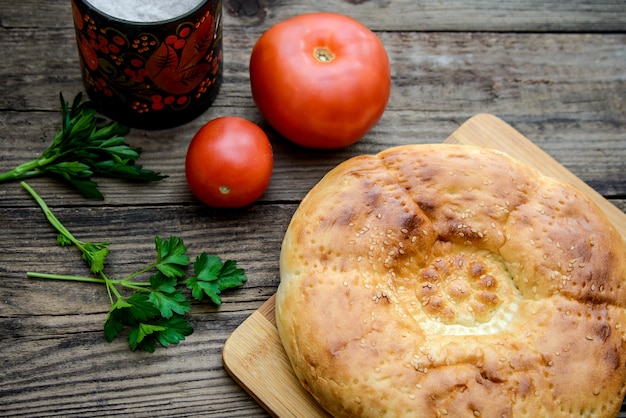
[[144, 10]]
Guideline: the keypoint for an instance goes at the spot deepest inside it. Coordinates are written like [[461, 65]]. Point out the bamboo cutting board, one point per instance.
[[253, 354]]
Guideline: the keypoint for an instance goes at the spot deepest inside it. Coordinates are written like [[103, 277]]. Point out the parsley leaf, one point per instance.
[[176, 328], [83, 148], [164, 331], [141, 331], [146, 323], [212, 277], [95, 254], [166, 298], [119, 316], [141, 309], [172, 256]]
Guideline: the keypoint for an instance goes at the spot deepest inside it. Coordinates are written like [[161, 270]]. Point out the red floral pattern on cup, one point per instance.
[[151, 71]]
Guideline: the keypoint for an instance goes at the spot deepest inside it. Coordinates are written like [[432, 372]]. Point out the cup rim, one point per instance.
[[163, 22]]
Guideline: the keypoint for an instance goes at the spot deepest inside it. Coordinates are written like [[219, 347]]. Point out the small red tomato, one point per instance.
[[320, 79], [229, 162]]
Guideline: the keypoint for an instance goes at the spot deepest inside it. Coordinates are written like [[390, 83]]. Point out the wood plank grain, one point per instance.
[[53, 348], [454, 15], [105, 379], [503, 73], [542, 84], [246, 360], [296, 170], [426, 15], [553, 70]]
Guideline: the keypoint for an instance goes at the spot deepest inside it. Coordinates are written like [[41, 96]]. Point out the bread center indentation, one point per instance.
[[463, 291]]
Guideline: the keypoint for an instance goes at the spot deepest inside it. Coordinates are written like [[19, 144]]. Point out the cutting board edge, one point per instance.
[[265, 329], [235, 374]]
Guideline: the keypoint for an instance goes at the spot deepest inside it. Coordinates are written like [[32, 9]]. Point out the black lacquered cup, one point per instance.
[[151, 75]]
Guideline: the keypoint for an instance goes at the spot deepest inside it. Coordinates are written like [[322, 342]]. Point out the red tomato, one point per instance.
[[229, 162], [321, 79]]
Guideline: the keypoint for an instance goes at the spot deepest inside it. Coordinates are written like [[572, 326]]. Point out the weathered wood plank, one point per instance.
[[30, 245], [46, 322], [552, 69], [432, 72], [595, 156], [594, 151], [455, 15], [397, 15], [542, 84], [39, 381]]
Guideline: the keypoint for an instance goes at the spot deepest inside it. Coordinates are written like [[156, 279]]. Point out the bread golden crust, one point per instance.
[[435, 280]]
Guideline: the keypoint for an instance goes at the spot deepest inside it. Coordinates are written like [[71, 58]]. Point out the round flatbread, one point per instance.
[[452, 280]]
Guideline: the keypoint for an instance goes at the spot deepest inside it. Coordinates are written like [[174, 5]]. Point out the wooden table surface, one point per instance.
[[554, 70]]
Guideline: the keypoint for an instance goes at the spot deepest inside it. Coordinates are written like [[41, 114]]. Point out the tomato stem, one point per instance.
[[323, 54], [224, 189]]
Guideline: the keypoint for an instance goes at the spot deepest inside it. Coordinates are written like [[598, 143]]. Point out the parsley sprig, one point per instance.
[[83, 148], [151, 309]]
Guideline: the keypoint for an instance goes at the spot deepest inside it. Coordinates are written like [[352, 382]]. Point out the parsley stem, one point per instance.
[[111, 288], [136, 274], [100, 280], [108, 287], [50, 216], [23, 171], [110, 284], [136, 285], [66, 277], [84, 148]]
